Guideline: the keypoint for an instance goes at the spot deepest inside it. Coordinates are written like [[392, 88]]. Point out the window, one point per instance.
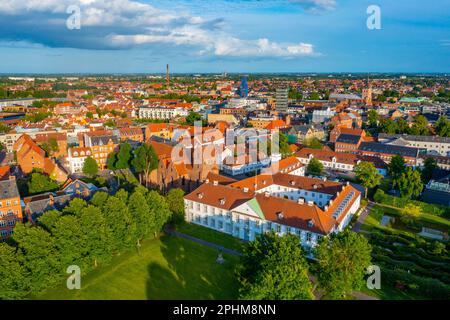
[[308, 236], [278, 228]]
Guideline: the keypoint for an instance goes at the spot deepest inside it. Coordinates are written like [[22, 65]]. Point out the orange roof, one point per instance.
[[4, 171], [326, 155], [275, 124]]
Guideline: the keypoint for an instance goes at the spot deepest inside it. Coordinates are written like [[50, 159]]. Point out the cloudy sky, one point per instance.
[[129, 36]]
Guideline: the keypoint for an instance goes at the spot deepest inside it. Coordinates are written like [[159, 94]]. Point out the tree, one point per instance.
[[48, 220], [89, 115], [315, 167], [75, 206], [396, 167], [141, 214], [192, 117], [388, 126], [41, 183], [410, 212], [368, 175], [342, 262], [314, 96], [70, 241], [175, 201], [410, 183], [274, 268], [313, 143], [402, 126], [111, 161], [145, 161], [41, 257], [50, 147], [442, 127], [372, 118], [90, 167], [99, 199], [284, 145], [97, 234], [159, 209], [429, 165], [13, 275], [121, 223], [123, 156], [420, 126]]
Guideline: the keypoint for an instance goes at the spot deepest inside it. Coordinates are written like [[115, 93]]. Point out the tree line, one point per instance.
[[86, 234], [419, 126]]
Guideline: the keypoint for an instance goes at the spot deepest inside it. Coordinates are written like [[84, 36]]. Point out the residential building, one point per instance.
[[432, 144], [10, 207], [101, 143], [159, 112], [76, 157], [387, 151]]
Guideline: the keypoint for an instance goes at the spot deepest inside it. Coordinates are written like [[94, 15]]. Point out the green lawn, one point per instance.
[[210, 235], [165, 268]]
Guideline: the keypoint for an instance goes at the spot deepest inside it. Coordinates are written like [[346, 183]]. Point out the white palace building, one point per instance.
[[283, 202]]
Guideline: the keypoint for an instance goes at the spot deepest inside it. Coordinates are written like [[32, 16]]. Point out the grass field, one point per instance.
[[210, 235], [165, 268]]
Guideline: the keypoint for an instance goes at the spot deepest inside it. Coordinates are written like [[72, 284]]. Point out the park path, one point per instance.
[[362, 216], [203, 242]]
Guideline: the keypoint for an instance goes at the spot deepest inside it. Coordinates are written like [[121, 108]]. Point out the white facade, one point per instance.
[[242, 225], [76, 157], [161, 112]]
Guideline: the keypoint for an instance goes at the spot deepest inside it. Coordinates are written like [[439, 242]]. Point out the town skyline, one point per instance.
[[224, 36]]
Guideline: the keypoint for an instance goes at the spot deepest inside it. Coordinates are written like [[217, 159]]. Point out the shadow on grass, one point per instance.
[[191, 273]]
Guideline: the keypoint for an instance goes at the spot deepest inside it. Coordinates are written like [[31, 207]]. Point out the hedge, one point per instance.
[[438, 210]]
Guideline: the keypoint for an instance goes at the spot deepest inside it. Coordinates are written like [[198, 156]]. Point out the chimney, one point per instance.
[[325, 208], [207, 181]]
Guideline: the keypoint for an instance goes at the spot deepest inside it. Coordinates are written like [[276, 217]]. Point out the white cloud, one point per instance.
[[316, 6], [122, 24]]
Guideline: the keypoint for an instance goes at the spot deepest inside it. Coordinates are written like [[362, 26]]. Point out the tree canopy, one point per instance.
[[342, 260], [90, 166], [274, 268], [315, 167]]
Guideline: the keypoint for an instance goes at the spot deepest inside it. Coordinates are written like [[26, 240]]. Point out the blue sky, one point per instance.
[[129, 36]]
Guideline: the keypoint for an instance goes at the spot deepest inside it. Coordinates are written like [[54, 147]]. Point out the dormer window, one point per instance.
[[200, 195], [222, 201], [280, 215], [310, 223]]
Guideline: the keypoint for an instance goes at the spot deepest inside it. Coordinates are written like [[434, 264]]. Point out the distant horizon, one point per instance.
[[293, 73]]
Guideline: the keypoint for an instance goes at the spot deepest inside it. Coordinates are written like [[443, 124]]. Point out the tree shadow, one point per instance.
[[191, 273]]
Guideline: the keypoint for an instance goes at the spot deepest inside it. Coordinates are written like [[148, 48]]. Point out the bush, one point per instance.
[[427, 287], [433, 209]]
